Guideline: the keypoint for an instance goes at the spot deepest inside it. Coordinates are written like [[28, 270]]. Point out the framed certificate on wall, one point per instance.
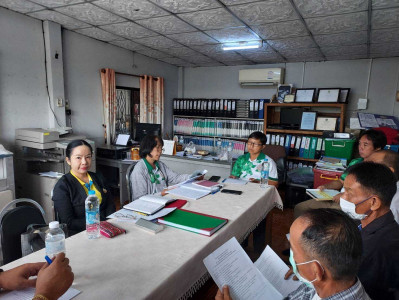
[[304, 95], [326, 123], [328, 95]]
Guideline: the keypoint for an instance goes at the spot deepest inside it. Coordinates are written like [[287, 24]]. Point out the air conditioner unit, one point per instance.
[[271, 76]]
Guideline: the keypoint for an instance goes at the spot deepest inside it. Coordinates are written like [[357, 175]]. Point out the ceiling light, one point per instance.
[[242, 45]]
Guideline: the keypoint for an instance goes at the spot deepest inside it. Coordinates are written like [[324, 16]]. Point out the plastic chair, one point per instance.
[[278, 154], [13, 222], [129, 184]]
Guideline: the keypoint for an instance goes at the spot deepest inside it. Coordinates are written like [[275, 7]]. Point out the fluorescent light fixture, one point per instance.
[[242, 45]]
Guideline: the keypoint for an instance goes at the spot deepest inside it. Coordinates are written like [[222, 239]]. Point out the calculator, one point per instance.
[[149, 226]]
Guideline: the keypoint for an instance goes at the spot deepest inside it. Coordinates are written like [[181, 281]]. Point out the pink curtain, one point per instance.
[[151, 99], [109, 104]]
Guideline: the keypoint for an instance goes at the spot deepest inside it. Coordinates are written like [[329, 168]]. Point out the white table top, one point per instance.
[[167, 265]]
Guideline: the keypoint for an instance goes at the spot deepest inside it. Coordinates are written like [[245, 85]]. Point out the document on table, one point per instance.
[[230, 265], [274, 269], [129, 215], [235, 181], [27, 294]]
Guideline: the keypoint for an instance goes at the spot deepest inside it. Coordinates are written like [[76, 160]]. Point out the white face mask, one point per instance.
[[350, 208]]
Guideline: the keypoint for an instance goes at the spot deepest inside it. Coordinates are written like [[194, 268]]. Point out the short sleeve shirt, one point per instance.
[[246, 168]]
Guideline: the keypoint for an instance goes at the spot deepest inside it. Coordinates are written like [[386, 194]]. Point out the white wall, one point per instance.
[[23, 95], [222, 82]]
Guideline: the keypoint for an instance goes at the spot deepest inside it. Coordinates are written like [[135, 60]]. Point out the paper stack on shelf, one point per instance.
[[332, 163]]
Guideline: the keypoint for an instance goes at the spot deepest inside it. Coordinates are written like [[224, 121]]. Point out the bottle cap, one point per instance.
[[91, 192], [54, 224]]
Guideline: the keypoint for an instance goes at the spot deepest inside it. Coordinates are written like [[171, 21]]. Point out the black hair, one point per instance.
[[376, 178], [391, 160], [257, 135], [76, 143], [148, 143], [333, 239], [377, 137]]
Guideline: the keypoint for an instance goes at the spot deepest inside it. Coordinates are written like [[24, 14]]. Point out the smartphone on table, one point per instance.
[[214, 178], [234, 192]]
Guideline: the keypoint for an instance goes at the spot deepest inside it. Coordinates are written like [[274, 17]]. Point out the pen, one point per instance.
[[48, 259], [224, 180]]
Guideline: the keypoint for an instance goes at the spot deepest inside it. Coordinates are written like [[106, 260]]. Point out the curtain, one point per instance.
[[109, 104], [151, 100]]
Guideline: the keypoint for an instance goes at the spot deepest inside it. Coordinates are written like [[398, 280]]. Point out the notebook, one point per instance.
[[193, 221], [148, 204], [323, 195], [189, 191], [206, 184]]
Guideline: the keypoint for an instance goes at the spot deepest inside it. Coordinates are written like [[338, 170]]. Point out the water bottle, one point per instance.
[[218, 147], [264, 174], [92, 205], [181, 141], [55, 240], [230, 152]]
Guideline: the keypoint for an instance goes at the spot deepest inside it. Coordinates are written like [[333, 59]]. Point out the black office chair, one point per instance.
[[278, 154], [128, 183], [14, 220]]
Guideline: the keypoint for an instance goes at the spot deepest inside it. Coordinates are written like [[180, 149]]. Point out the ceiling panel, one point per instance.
[[385, 35], [129, 30], [226, 56], [98, 34], [235, 2], [134, 10], [211, 19], [199, 58], [239, 63], [154, 53], [127, 44], [192, 38], [261, 56], [384, 47], [341, 39], [175, 61], [308, 53], [21, 6], [56, 3], [384, 3], [59, 18], [214, 64], [90, 14], [345, 50], [346, 57], [181, 51], [281, 30], [385, 18], [265, 12], [179, 6], [305, 58], [298, 42], [313, 8], [232, 34], [158, 42], [209, 49], [338, 23], [166, 25]]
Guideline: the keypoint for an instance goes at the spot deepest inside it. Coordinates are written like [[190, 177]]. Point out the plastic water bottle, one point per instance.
[[264, 174], [181, 141], [230, 152], [218, 147], [92, 205], [55, 240]]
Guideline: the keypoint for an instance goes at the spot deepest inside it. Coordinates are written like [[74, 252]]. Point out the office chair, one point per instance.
[[278, 154], [13, 222], [129, 184]]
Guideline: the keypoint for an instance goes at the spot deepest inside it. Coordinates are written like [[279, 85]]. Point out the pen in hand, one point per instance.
[[48, 259]]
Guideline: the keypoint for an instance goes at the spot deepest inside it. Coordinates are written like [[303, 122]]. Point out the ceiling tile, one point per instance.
[[127, 44], [179, 6], [98, 34], [181, 51], [298, 42], [192, 38], [385, 35], [267, 56], [209, 49], [211, 19], [345, 50], [384, 3], [313, 8], [158, 42], [239, 63], [232, 34], [134, 10], [338, 23], [384, 48], [174, 61], [346, 57], [341, 39], [59, 18], [386, 54], [90, 14], [154, 53], [129, 30], [198, 59], [166, 25], [305, 58], [212, 64], [235, 2], [385, 18], [226, 56], [21, 6], [187, 64], [265, 12], [311, 52], [281, 30], [56, 3]]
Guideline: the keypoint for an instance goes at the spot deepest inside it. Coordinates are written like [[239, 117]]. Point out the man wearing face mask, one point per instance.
[[369, 189], [326, 251]]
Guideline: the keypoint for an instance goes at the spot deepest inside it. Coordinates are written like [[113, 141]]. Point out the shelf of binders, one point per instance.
[[213, 136]]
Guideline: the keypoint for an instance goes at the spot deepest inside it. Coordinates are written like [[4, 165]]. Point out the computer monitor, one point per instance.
[[143, 129], [291, 116]]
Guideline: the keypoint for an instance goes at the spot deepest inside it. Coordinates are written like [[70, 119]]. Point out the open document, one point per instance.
[[191, 191], [27, 294], [230, 265], [148, 204], [323, 195]]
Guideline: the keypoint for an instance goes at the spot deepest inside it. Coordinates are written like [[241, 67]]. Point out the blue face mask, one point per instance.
[[296, 272]]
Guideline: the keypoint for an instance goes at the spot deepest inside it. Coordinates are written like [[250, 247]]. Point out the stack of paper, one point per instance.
[[331, 164], [323, 195], [189, 191]]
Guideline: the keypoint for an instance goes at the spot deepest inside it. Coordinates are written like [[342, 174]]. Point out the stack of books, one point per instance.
[[331, 163]]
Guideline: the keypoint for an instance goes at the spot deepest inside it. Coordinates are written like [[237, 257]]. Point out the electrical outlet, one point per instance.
[[60, 102]]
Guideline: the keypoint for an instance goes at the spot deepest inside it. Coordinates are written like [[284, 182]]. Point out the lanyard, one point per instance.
[[88, 185]]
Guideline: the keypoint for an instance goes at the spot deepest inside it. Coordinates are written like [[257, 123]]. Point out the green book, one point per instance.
[[193, 221]]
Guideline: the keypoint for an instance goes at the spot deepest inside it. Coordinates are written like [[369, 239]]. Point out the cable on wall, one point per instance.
[[45, 72], [368, 78]]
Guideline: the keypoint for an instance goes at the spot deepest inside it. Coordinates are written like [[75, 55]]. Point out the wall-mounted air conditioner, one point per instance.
[[271, 76]]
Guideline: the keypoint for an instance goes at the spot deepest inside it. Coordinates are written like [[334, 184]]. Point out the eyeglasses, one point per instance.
[[159, 148], [253, 144]]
